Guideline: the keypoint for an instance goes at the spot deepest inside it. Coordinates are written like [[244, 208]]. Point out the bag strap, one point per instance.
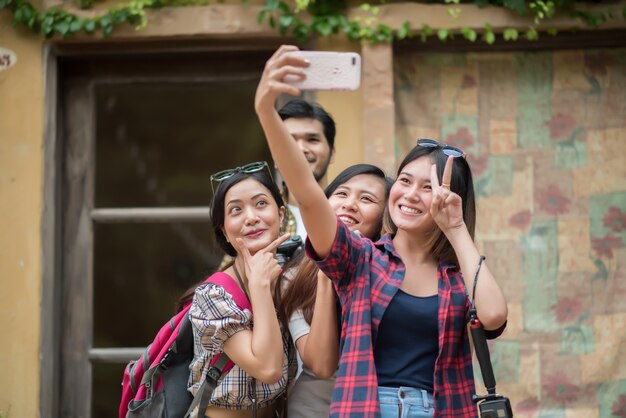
[[221, 363], [203, 396], [231, 287], [229, 284]]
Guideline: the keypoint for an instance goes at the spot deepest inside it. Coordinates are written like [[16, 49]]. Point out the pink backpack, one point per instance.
[[155, 385]]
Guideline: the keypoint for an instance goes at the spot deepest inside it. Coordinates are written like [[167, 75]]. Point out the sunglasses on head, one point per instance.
[[247, 169], [449, 150]]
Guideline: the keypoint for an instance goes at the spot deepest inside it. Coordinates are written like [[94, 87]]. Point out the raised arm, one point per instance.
[[447, 211], [319, 349], [317, 214]]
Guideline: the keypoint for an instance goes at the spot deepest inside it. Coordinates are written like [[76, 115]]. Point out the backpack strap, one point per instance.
[[221, 363], [203, 396], [233, 289]]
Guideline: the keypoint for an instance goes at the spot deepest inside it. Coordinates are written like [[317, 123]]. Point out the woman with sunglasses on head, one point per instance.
[[358, 196], [246, 214], [406, 350]]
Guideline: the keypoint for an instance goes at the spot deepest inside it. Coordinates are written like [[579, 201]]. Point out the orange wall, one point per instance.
[[21, 165]]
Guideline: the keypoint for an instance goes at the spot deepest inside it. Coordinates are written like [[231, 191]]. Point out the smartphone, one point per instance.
[[328, 71]]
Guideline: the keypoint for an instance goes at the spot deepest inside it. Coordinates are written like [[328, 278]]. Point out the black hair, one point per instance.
[[356, 170], [461, 184], [300, 290], [301, 109], [217, 204]]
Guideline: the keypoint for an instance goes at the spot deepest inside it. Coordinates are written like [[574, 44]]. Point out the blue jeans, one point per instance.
[[405, 402]]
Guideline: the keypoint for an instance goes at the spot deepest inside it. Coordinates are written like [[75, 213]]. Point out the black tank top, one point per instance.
[[407, 344]]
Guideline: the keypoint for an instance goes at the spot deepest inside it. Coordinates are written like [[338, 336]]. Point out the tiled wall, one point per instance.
[[546, 138]]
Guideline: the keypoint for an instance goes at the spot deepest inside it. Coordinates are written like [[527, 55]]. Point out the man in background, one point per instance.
[[314, 131]]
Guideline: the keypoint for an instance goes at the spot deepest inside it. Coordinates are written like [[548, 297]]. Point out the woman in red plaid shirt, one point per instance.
[[405, 350]]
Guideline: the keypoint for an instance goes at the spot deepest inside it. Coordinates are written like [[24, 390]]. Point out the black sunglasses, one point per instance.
[[248, 169], [449, 150]]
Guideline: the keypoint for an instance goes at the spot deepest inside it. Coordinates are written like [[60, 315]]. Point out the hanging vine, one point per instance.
[[303, 19]]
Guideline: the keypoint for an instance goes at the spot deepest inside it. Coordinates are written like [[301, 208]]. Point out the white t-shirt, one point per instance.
[[310, 396], [300, 230]]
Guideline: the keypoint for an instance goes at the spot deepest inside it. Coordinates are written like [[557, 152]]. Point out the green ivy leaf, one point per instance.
[[261, 16], [443, 34], [27, 14], [47, 26], [120, 16], [284, 22], [489, 37], [89, 26], [402, 32], [284, 7], [510, 34], [18, 15], [454, 12], [62, 27], [469, 34], [106, 30], [33, 23], [302, 32], [425, 32], [272, 5], [518, 5], [552, 31], [333, 21], [532, 34], [323, 28]]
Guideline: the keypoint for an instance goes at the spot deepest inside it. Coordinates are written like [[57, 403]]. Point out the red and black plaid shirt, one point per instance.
[[367, 275]]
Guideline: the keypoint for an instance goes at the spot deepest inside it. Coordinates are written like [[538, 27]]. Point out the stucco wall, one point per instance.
[[21, 134]]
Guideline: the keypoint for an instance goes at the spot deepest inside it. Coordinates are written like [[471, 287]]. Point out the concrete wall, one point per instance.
[[21, 166]]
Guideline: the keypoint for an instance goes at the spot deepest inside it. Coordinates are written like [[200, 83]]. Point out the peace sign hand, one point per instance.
[[446, 207], [262, 268]]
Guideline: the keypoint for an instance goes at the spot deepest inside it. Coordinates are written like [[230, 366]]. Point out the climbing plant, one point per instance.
[[306, 18]]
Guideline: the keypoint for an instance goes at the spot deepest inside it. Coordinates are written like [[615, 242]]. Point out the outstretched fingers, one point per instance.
[[274, 244], [441, 192], [447, 173]]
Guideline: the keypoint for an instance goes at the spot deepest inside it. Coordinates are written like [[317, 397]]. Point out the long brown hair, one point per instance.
[[297, 285]]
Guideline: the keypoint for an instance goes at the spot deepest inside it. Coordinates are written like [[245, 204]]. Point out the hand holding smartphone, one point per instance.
[[328, 71]]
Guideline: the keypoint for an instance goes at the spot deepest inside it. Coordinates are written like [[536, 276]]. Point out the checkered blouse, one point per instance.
[[215, 317], [367, 275]]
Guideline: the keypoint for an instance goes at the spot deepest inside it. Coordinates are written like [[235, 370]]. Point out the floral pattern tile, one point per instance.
[[545, 134]]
